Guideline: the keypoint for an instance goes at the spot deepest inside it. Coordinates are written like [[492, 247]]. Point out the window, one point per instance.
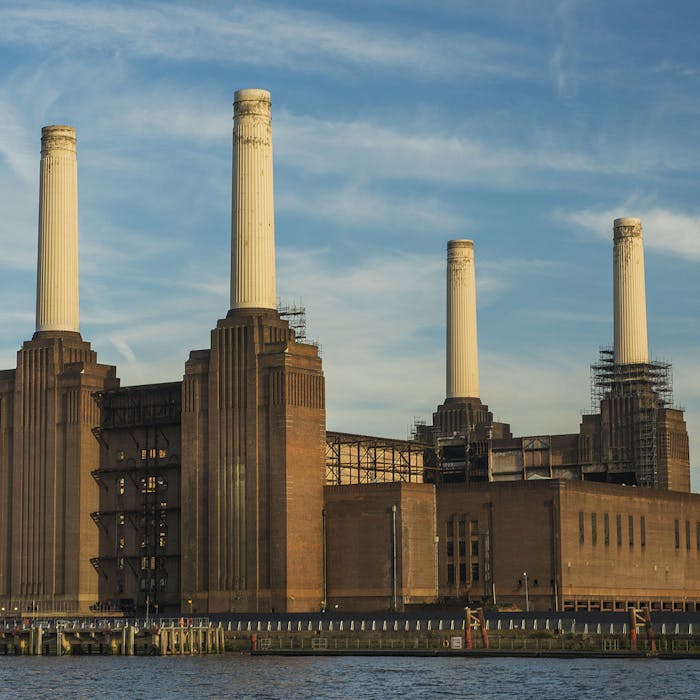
[[630, 525], [121, 455], [152, 483], [462, 548], [462, 573], [121, 519], [450, 574], [162, 454], [594, 528], [120, 563], [643, 531], [462, 528], [450, 549], [475, 548], [697, 536], [580, 528], [450, 528], [677, 533], [475, 572], [687, 535], [618, 522], [606, 529], [121, 485], [121, 542], [143, 454]]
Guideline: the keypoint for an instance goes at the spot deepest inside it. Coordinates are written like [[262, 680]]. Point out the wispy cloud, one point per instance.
[[350, 205], [666, 231], [253, 33]]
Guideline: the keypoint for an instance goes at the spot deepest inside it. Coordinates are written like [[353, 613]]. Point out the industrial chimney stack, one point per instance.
[[629, 297], [462, 352], [57, 265], [252, 209]]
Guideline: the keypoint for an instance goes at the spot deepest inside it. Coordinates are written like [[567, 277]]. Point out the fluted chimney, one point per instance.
[[629, 296], [57, 264], [462, 353], [252, 210]]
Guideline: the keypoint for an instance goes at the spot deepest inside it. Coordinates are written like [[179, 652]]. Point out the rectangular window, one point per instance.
[[462, 529], [462, 548], [580, 528], [462, 573], [697, 536], [606, 529], [475, 548], [618, 522], [677, 533], [450, 574], [594, 528], [687, 535], [643, 531], [475, 572], [450, 549], [121, 485], [121, 455], [161, 454], [630, 524], [450, 528]]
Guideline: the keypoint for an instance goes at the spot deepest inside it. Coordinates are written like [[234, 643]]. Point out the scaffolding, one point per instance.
[[610, 378], [295, 316], [646, 389], [364, 459]]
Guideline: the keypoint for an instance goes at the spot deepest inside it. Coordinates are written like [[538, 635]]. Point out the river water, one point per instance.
[[234, 676]]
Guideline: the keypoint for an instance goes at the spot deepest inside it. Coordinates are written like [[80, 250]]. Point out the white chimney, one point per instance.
[[462, 353], [629, 296], [57, 264], [252, 209]]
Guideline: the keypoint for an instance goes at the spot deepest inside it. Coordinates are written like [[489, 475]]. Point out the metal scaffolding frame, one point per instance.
[[610, 378], [366, 459], [650, 386]]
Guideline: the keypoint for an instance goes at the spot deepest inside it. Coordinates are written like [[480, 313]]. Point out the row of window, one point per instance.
[[628, 535], [462, 548], [153, 483], [151, 453], [462, 573], [628, 532]]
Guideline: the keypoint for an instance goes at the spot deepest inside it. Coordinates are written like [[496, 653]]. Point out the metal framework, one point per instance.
[[608, 377], [139, 487], [364, 459], [650, 386]]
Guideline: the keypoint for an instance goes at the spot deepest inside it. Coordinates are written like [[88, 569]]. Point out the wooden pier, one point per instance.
[[56, 638]]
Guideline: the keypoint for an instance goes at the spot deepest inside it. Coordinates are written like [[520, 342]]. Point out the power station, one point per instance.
[[224, 492]]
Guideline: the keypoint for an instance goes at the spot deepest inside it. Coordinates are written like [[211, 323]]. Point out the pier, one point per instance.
[[124, 638]]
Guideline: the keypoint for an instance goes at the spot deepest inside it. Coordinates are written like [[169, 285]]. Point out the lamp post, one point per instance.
[[527, 593]]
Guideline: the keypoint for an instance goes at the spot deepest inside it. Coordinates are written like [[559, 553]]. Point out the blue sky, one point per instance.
[[397, 125]]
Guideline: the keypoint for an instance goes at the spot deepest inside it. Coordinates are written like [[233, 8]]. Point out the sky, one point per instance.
[[397, 125]]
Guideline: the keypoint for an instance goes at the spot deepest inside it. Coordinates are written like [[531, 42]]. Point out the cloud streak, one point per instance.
[[671, 233], [253, 33]]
